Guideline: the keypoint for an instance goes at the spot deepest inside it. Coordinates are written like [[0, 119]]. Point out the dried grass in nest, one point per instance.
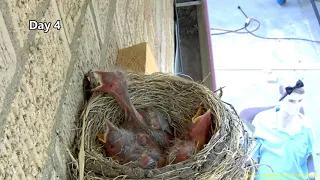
[[222, 158]]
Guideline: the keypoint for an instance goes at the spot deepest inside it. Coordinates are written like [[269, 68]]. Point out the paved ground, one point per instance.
[[249, 88]]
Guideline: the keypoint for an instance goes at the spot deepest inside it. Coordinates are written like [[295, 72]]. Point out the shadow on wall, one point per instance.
[[190, 52], [189, 42]]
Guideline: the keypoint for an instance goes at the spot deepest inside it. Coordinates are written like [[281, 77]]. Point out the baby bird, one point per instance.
[[200, 128], [118, 143], [197, 137], [180, 151], [115, 84], [127, 147]]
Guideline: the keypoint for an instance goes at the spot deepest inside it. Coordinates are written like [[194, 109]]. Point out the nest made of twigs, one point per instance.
[[178, 98]]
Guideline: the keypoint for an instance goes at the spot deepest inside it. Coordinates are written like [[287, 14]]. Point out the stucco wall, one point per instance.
[[41, 73]]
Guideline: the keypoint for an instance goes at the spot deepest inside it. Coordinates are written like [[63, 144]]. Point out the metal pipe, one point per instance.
[[206, 15], [178, 56], [315, 10]]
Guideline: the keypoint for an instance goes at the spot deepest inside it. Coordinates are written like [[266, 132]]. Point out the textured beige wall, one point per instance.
[[41, 73]]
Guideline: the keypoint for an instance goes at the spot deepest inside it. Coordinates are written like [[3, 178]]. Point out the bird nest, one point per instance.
[[223, 157]]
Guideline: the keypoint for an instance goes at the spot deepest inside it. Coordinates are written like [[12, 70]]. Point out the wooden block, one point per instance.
[[137, 58]]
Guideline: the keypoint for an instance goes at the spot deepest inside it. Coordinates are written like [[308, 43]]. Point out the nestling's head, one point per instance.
[[112, 81]]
